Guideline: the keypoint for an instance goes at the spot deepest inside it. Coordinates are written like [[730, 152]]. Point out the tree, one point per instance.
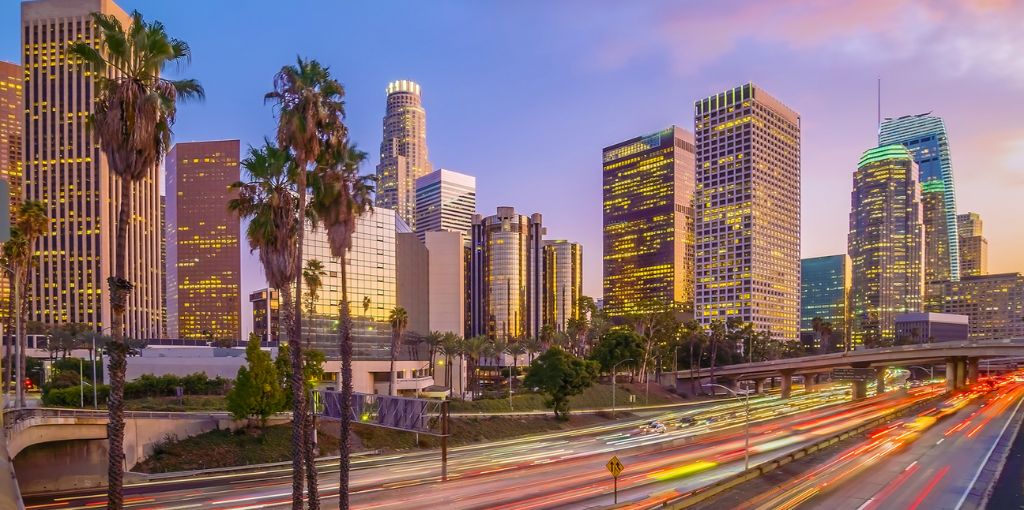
[[616, 346], [312, 371], [268, 202], [433, 340], [398, 319], [533, 346], [257, 393], [560, 375], [516, 349], [312, 276], [695, 338], [340, 195], [472, 349], [29, 222], [451, 348], [133, 115]]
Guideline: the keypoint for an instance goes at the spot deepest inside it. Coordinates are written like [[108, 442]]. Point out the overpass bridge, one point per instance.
[[961, 360], [57, 449]]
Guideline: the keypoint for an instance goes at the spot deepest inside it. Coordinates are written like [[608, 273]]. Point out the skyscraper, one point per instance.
[[445, 201], [925, 136], [65, 169], [403, 150], [885, 243], [748, 211], [563, 282], [648, 188], [11, 116], [506, 275], [824, 294], [973, 245], [266, 314], [993, 302], [203, 258], [12, 112]]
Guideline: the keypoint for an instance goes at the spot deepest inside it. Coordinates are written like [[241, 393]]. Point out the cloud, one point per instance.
[[956, 37]]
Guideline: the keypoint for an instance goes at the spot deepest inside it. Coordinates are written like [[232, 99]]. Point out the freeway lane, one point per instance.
[[502, 471], [926, 462]]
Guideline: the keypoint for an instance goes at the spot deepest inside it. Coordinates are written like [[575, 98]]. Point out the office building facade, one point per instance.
[[266, 314], [447, 281], [65, 169], [12, 113], [563, 282], [445, 201], [824, 295], [203, 258], [925, 136], [927, 327], [748, 211], [403, 150], [973, 245], [648, 217], [994, 303], [506, 275], [885, 243]]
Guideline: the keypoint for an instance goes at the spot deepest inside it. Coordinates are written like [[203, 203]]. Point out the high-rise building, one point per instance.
[[12, 114], [748, 211], [563, 282], [413, 283], [445, 201], [266, 314], [885, 244], [65, 169], [163, 266], [824, 295], [203, 258], [447, 281], [994, 303], [925, 136], [506, 275], [973, 245], [648, 188], [403, 150], [372, 273]]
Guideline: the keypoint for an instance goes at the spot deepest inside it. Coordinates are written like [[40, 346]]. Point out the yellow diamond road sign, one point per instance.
[[614, 467]]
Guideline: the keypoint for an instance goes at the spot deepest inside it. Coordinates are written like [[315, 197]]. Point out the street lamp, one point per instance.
[[614, 368], [746, 422]]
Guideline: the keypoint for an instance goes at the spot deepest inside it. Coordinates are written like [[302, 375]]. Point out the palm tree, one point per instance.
[[450, 348], [133, 114], [340, 195], [15, 252], [717, 334], [310, 111], [312, 276], [473, 348], [533, 346], [433, 340], [516, 349], [268, 202], [31, 222], [694, 336], [399, 320]]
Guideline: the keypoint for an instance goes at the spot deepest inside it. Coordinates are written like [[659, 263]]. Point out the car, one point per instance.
[[653, 427]]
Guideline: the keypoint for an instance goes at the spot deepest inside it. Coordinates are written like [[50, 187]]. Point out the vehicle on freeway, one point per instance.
[[653, 427]]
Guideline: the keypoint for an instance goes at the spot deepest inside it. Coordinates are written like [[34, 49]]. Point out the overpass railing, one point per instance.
[[12, 416]]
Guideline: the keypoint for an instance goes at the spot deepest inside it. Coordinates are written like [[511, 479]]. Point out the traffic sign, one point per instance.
[[614, 466], [853, 374]]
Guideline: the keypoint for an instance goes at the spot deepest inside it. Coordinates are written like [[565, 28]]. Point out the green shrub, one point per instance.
[[149, 385], [72, 397]]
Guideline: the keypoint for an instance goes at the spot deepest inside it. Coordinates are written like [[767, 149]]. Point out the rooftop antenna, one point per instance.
[[879, 103]]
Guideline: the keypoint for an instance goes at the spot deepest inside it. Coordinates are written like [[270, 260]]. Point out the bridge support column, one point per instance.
[[950, 374], [961, 373], [972, 370], [860, 390], [880, 380], [787, 384]]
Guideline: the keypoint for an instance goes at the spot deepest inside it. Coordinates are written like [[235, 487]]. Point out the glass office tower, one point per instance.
[[824, 294]]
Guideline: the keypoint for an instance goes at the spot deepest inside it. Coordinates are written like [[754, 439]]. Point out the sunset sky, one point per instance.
[[524, 94]]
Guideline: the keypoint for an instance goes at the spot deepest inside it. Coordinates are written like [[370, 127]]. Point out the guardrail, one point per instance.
[[707, 492], [12, 416]]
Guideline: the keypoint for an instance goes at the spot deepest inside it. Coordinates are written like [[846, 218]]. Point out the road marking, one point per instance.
[[912, 464], [865, 505], [984, 461], [940, 441]]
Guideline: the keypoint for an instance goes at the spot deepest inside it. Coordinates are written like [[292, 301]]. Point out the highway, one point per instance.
[[927, 461], [556, 470]]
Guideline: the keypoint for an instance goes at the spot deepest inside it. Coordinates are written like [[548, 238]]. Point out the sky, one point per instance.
[[525, 94]]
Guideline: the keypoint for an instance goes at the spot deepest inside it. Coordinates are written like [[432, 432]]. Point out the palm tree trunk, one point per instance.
[[302, 422], [393, 380], [345, 332], [289, 310], [9, 336], [119, 289]]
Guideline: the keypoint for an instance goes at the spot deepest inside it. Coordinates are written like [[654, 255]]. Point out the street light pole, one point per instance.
[[614, 369], [746, 423]]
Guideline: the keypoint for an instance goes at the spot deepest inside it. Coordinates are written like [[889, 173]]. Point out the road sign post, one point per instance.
[[615, 468]]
